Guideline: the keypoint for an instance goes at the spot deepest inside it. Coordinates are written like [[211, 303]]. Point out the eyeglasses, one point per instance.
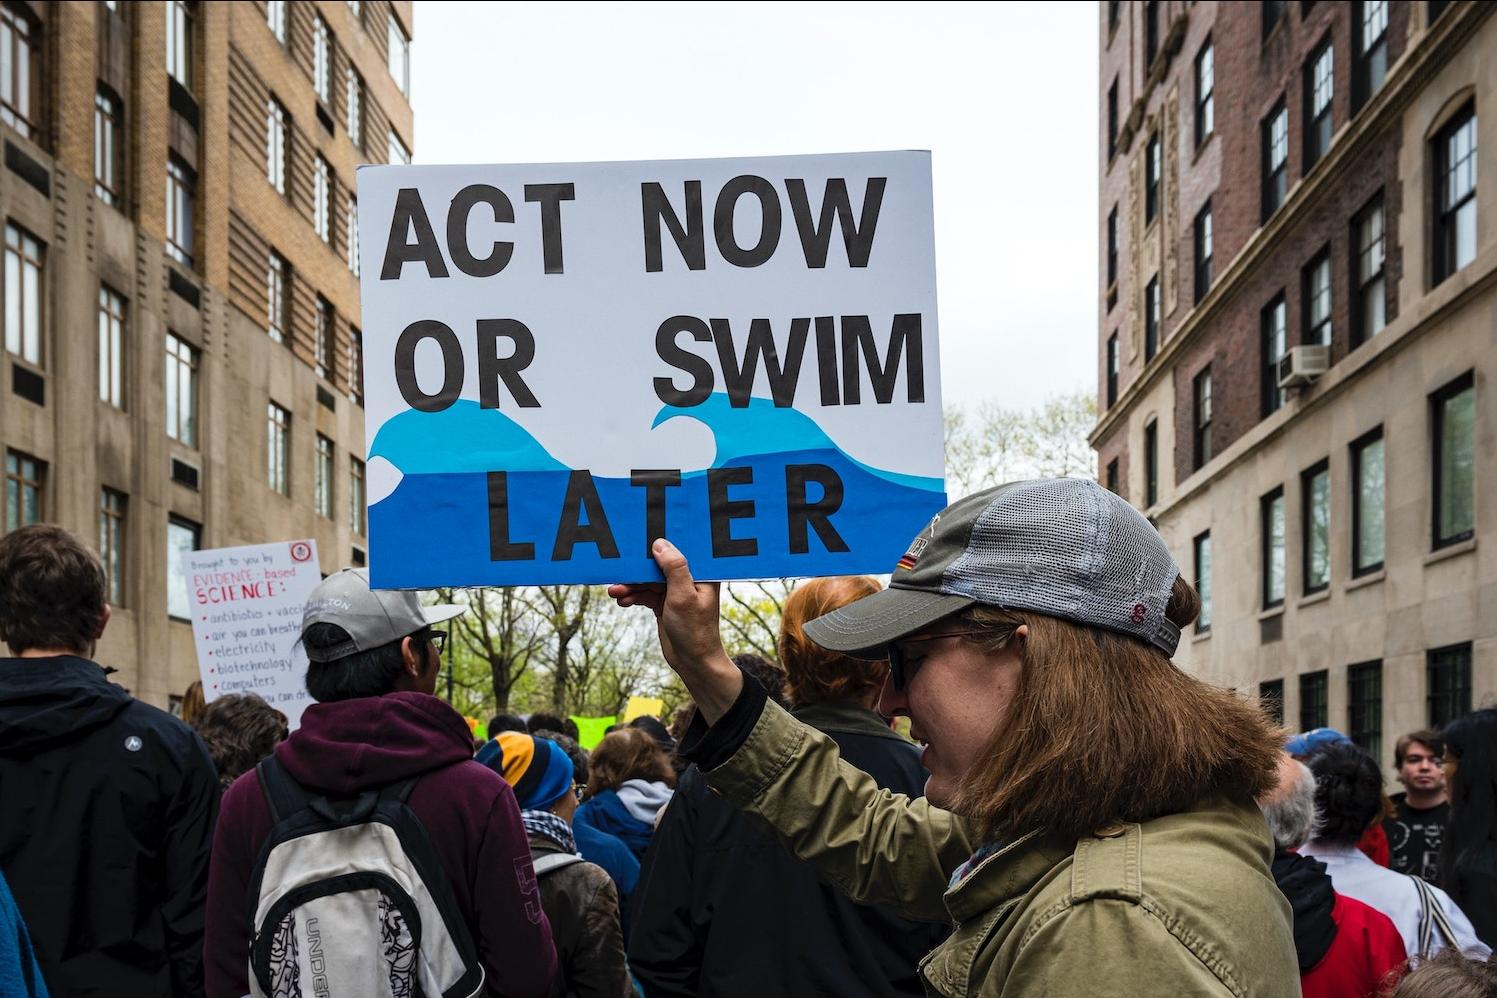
[[439, 641], [579, 789], [903, 665]]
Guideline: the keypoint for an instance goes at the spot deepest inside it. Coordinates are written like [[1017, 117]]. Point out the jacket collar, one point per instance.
[[1006, 875], [846, 718]]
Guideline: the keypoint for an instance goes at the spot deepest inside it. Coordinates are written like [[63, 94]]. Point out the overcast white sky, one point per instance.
[[1005, 97]]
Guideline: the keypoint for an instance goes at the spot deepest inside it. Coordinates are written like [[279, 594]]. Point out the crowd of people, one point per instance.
[[1072, 815]]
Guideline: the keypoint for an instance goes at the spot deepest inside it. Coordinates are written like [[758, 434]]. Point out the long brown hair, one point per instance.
[[1103, 728], [627, 754], [813, 674]]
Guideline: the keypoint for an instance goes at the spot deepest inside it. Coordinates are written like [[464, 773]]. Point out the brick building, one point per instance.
[[1290, 193], [181, 295]]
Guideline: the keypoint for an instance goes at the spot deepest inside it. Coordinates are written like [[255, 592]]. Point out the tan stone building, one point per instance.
[[182, 356], [1298, 342]]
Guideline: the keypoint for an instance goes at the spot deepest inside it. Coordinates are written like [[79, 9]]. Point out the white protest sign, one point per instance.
[[565, 361], [246, 616]]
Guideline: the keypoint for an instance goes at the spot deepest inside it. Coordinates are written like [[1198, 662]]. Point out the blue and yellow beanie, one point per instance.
[[537, 768]]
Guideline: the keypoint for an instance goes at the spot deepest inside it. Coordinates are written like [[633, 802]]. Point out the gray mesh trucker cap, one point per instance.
[[1063, 547], [371, 618]]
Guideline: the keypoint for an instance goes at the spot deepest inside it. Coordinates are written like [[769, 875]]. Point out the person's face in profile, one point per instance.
[[957, 697]]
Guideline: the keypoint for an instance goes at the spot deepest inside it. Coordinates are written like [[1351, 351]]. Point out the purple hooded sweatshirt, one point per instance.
[[469, 812]]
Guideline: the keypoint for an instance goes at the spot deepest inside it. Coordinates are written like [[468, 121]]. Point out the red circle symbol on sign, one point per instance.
[[301, 551]]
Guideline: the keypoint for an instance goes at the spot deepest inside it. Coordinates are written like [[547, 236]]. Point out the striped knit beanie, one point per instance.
[[537, 768]]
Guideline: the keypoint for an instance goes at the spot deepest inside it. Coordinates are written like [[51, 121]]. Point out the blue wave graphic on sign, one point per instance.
[[436, 527]]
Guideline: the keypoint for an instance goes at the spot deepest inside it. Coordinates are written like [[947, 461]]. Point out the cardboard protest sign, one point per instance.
[[566, 361], [246, 616]]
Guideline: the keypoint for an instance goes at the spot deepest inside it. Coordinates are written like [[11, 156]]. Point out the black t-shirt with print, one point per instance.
[[1414, 838]]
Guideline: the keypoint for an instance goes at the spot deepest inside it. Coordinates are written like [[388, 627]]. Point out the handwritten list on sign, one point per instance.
[[246, 616]]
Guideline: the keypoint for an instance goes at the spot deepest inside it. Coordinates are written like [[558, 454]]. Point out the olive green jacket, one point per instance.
[[1180, 905]]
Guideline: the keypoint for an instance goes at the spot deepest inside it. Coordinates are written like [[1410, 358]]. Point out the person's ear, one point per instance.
[[414, 667], [1021, 632], [104, 615]]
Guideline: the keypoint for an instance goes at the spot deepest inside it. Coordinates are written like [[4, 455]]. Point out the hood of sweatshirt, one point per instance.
[[644, 800], [46, 702], [1306, 885], [346, 747]]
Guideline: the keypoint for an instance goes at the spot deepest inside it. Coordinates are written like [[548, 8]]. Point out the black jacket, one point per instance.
[[105, 829], [722, 909]]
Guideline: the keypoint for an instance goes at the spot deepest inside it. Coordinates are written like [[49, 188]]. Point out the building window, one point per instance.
[[1314, 706], [1315, 526], [1448, 683], [1271, 697], [1453, 410], [1202, 546], [1114, 8], [356, 508], [112, 543], [400, 56], [321, 201], [111, 347], [1364, 706], [1320, 83], [1113, 484], [1153, 167], [397, 152], [1367, 503], [1112, 119], [1151, 319], [1205, 89], [355, 367], [1370, 37], [1203, 248], [321, 60], [1113, 363], [1201, 390], [1275, 159], [275, 16], [1112, 248], [20, 70], [180, 185], [278, 287], [323, 347], [275, 144], [1316, 283], [181, 391], [1151, 463], [323, 492], [1151, 33], [23, 294], [353, 90], [1437, 9], [1455, 194], [1273, 13], [1370, 310], [352, 222], [278, 449], [1275, 344], [24, 477], [179, 41], [181, 536], [1271, 508], [109, 147]]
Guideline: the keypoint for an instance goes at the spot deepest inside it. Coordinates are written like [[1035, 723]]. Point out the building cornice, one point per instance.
[[1405, 80]]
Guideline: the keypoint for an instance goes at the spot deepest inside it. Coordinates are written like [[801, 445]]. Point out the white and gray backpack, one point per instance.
[[351, 901]]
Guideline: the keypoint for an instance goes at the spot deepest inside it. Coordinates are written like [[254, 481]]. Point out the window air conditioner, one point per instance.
[[1302, 365]]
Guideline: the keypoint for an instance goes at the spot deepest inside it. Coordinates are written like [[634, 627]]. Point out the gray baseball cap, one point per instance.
[[371, 618], [1063, 547]]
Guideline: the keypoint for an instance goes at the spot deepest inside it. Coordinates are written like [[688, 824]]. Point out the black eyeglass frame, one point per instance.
[[902, 667]]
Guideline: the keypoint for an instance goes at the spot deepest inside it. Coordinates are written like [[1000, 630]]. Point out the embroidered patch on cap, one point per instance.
[[912, 556]]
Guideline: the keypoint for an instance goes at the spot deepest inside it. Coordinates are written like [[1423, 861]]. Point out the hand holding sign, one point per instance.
[[550, 388]]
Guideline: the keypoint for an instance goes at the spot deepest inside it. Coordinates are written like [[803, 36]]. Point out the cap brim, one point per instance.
[[439, 612], [864, 629]]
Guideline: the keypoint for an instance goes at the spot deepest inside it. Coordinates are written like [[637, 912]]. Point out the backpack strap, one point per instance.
[[1432, 918], [554, 861], [283, 795]]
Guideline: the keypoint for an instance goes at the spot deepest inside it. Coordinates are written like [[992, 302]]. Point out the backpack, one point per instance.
[[351, 901], [555, 861]]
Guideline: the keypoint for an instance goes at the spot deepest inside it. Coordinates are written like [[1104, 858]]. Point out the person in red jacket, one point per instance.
[[1346, 949], [374, 663]]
